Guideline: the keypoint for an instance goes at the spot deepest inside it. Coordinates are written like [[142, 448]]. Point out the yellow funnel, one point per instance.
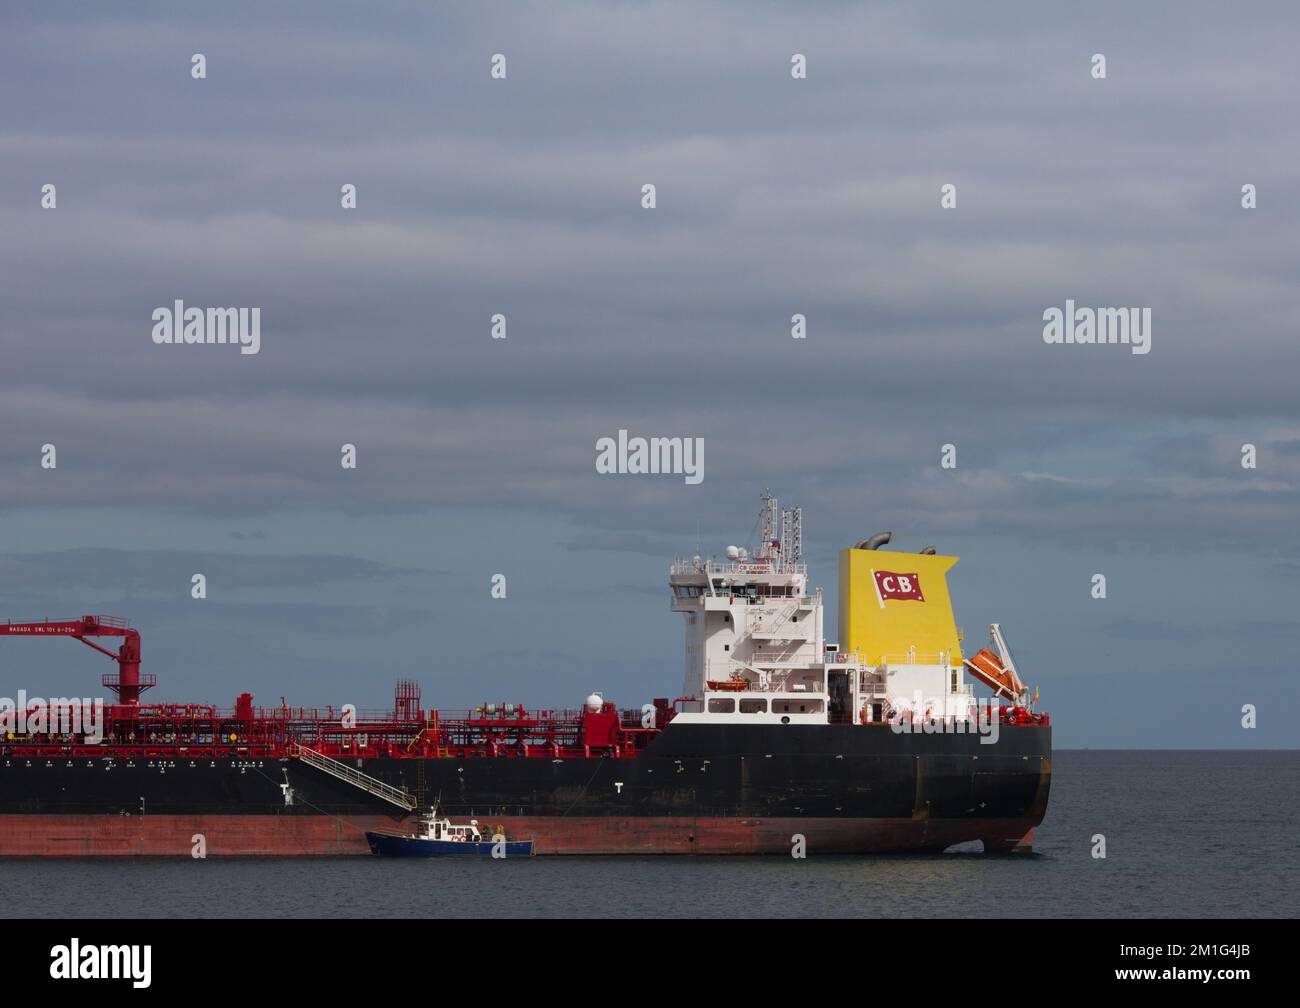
[[895, 603]]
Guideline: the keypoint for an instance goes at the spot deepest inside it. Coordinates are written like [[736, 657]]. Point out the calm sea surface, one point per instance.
[[1188, 834]]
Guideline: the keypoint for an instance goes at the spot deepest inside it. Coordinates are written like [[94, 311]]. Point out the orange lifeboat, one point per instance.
[[728, 685], [988, 669]]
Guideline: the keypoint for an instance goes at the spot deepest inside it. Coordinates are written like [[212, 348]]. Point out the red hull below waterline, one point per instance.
[[298, 836]]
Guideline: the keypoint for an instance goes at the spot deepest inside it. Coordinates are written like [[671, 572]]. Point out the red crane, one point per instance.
[[128, 683]]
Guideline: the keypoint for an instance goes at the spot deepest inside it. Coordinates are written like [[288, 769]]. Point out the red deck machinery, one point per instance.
[[127, 682]]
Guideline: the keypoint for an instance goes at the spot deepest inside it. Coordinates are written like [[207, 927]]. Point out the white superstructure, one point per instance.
[[756, 650]]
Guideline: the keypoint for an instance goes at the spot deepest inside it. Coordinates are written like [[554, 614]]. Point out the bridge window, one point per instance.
[[752, 706], [722, 705]]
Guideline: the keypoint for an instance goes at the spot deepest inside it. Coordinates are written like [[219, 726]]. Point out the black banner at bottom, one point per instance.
[[360, 958]]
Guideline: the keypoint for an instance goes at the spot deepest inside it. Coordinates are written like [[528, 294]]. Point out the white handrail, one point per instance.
[[395, 796]]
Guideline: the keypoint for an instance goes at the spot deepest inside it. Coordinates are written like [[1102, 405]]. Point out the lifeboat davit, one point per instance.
[[988, 669]]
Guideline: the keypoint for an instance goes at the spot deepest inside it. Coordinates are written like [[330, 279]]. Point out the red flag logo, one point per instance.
[[898, 586]]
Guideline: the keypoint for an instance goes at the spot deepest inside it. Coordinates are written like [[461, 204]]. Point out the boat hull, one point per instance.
[[390, 845], [697, 789]]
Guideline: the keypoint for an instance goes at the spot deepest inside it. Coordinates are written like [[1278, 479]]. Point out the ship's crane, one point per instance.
[[127, 682]]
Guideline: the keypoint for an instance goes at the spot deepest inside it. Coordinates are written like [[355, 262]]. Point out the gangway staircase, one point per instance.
[[335, 768]]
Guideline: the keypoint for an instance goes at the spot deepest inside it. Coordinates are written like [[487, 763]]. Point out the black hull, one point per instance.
[[689, 773]]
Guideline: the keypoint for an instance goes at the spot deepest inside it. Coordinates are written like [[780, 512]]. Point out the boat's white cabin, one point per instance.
[[431, 826]]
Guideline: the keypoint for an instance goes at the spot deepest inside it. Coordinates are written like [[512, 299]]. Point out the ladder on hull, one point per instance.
[[335, 768]]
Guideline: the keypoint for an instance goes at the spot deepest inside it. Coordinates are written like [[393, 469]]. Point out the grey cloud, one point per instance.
[[163, 573], [621, 542]]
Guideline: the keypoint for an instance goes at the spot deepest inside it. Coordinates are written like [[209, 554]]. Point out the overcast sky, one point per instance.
[[775, 196]]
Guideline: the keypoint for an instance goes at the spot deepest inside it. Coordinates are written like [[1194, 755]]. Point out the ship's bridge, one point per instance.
[[752, 626], [750, 582]]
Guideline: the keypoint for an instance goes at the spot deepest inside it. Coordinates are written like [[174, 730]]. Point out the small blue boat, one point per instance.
[[436, 836]]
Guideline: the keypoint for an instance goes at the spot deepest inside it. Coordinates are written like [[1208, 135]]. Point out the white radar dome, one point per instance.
[[595, 702], [732, 552]]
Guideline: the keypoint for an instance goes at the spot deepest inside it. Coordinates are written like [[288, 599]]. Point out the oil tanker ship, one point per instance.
[[876, 743]]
